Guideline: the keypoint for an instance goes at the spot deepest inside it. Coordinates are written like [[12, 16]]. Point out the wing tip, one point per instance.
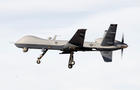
[[113, 24]]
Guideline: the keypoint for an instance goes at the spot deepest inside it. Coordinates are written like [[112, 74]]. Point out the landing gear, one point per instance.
[[70, 66], [38, 61], [39, 58], [25, 49], [71, 61]]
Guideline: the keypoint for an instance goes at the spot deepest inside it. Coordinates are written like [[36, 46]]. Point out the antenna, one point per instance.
[[54, 37]]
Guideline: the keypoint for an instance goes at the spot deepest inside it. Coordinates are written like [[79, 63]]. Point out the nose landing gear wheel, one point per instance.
[[38, 61]]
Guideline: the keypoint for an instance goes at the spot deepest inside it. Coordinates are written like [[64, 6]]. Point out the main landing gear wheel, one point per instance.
[[70, 66], [71, 61], [25, 49]]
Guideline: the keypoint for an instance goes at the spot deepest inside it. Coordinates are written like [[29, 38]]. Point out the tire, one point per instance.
[[70, 66], [73, 62], [25, 49], [38, 61]]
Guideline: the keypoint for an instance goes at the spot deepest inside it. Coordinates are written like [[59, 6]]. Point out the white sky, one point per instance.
[[45, 18]]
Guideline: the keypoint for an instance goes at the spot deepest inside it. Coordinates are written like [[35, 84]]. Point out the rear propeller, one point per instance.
[[122, 48]]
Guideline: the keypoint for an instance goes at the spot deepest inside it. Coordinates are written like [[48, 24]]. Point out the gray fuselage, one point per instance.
[[33, 42]]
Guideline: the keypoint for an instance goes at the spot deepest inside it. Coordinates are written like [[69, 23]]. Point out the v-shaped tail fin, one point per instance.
[[107, 56], [109, 37]]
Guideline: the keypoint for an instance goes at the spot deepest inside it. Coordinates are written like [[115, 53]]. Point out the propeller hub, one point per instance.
[[124, 46]]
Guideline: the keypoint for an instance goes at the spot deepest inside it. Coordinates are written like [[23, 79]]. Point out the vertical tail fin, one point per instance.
[[107, 56], [109, 37]]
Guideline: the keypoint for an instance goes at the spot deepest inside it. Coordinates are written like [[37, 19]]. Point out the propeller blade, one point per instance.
[[122, 38], [121, 53]]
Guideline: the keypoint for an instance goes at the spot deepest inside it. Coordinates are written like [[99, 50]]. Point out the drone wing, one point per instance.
[[107, 56], [78, 38]]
